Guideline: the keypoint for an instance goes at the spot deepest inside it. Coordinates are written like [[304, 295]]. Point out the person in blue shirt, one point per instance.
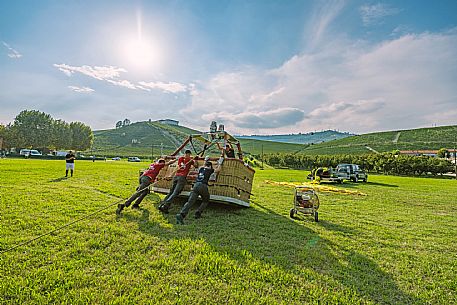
[[200, 189]]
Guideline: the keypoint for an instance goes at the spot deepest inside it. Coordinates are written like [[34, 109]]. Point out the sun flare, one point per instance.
[[139, 49], [140, 53]]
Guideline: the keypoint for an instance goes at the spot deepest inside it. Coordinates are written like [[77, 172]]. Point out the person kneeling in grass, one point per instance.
[[200, 189], [145, 180]]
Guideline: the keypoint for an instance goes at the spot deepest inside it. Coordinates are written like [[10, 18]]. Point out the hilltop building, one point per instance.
[[169, 122]]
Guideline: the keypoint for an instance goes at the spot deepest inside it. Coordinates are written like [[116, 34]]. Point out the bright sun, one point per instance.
[[140, 49], [140, 53]]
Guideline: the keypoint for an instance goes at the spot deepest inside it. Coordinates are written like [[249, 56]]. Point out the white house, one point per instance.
[[169, 122]]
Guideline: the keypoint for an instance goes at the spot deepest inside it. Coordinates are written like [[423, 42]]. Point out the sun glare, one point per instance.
[[138, 50], [139, 53]]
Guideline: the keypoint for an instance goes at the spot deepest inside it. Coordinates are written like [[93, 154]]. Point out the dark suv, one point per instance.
[[351, 172]]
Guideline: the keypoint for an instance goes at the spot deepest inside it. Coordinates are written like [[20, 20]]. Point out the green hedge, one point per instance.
[[385, 163]]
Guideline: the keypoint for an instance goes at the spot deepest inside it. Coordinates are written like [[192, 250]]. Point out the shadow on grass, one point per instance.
[[58, 179], [276, 240], [142, 219], [350, 185], [336, 227], [381, 184]]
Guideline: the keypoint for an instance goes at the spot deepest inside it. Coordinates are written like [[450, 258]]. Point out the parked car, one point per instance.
[[351, 172], [134, 159], [60, 153], [116, 158], [30, 152]]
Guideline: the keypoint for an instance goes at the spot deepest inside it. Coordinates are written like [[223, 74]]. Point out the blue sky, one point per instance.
[[263, 67]]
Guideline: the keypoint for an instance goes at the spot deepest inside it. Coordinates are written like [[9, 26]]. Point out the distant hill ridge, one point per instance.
[[154, 138], [302, 138], [411, 139]]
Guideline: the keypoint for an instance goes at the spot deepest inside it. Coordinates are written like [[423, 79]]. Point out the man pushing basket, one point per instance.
[[179, 180], [200, 188], [146, 179]]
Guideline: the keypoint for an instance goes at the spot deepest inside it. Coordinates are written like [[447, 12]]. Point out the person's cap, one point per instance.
[[161, 160], [208, 163], [187, 151]]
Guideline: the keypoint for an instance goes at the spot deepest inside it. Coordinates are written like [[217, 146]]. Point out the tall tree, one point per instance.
[[61, 135], [2, 136], [81, 136], [32, 128], [119, 124], [10, 137], [126, 122]]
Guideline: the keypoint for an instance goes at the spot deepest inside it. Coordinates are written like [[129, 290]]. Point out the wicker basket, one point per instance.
[[233, 183]]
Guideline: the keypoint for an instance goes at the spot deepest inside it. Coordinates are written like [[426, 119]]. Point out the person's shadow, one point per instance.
[[58, 179], [260, 233]]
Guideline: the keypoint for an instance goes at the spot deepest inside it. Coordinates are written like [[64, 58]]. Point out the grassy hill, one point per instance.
[[414, 139], [147, 138], [301, 138]]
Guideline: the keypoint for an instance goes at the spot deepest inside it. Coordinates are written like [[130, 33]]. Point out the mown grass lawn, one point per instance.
[[397, 245]]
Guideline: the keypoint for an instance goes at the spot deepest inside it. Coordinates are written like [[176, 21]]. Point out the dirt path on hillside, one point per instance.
[[395, 140], [372, 149], [171, 136]]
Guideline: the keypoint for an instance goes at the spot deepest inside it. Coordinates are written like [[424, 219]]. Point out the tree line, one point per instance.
[[386, 163], [36, 129]]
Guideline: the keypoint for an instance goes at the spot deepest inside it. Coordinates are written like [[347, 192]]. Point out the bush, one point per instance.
[[386, 163]]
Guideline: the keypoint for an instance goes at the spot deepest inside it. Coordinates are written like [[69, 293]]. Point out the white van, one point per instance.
[[29, 152], [61, 153]]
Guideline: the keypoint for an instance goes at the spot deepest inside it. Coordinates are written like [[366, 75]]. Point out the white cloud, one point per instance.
[[12, 52], [192, 89], [171, 87], [405, 82], [123, 83], [112, 74], [326, 111], [81, 89], [374, 14], [100, 73], [267, 96], [447, 117], [351, 114], [263, 119], [322, 16]]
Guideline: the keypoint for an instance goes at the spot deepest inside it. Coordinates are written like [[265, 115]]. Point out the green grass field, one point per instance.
[[394, 246]]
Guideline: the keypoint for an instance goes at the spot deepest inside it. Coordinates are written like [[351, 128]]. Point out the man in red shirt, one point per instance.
[[145, 180], [179, 180]]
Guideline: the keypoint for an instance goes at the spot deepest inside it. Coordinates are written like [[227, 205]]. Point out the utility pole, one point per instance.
[[152, 152], [455, 155], [262, 156], [161, 149]]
